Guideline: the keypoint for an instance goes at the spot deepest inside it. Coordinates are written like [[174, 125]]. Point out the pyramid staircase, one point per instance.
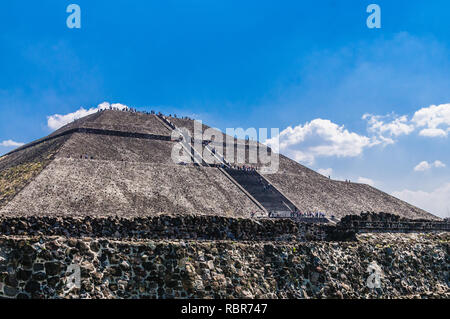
[[254, 185], [269, 196], [186, 141]]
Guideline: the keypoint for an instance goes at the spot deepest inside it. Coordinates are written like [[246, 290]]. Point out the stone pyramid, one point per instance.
[[116, 163]]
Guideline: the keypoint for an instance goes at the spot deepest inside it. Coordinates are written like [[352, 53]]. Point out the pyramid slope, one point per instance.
[[117, 148], [118, 121], [128, 122], [19, 168], [310, 191], [57, 133], [76, 124], [99, 188], [108, 120]]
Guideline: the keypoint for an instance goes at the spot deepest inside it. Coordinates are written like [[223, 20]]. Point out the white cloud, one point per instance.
[[323, 138], [325, 171], [56, 121], [364, 180], [435, 119], [395, 126], [433, 132], [10, 143], [320, 138], [424, 166], [438, 164], [436, 202]]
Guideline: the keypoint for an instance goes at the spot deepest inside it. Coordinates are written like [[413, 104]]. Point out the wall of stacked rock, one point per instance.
[[196, 227], [410, 266], [203, 227], [386, 222]]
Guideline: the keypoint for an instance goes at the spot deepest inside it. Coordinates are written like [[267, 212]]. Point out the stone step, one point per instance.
[[263, 192]]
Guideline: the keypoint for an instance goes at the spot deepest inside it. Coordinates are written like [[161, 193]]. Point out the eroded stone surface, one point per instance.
[[18, 169], [117, 148], [413, 266], [310, 191], [105, 188]]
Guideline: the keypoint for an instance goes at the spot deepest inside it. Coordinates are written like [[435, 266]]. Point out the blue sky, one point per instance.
[[313, 66]]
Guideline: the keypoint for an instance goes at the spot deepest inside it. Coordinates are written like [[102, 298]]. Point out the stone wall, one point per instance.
[[199, 227], [412, 266], [194, 227], [386, 222]]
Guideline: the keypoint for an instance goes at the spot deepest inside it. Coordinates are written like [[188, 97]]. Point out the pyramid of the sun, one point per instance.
[[119, 163]]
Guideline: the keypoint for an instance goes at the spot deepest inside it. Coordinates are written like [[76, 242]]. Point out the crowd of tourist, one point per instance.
[[127, 109], [298, 214], [246, 168], [168, 122], [295, 215], [133, 110]]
